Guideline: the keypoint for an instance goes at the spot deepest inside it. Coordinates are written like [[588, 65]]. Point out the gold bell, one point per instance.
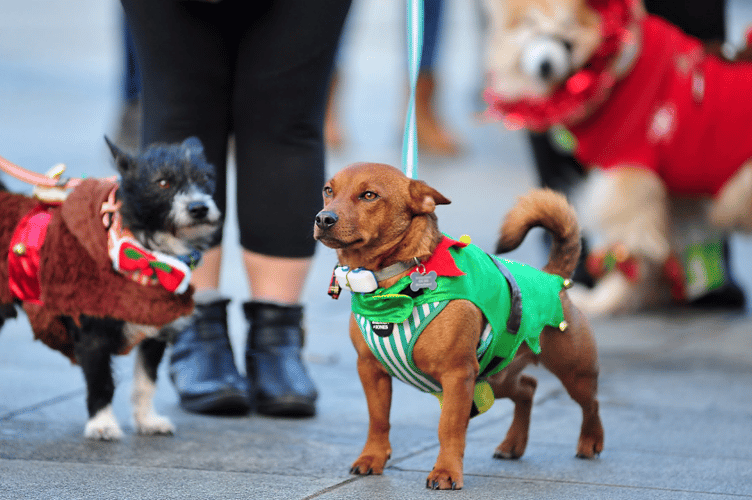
[[563, 325], [19, 249], [568, 283]]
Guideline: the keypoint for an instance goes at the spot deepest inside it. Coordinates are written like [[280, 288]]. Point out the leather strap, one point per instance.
[[395, 269], [515, 310]]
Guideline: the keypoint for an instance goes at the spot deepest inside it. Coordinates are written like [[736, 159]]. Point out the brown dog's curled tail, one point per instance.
[[550, 210]]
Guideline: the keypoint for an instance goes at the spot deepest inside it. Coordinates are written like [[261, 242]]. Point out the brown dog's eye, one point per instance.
[[369, 196], [163, 183], [328, 192]]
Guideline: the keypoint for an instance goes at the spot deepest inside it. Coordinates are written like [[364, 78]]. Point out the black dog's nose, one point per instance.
[[198, 209], [326, 219]]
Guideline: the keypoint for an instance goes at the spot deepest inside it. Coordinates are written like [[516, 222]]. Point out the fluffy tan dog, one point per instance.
[[633, 97], [487, 318]]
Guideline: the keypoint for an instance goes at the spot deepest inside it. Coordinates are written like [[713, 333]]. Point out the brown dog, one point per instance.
[[379, 220]]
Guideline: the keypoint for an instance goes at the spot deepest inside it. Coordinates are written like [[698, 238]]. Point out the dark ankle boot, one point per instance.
[[279, 382], [202, 367]]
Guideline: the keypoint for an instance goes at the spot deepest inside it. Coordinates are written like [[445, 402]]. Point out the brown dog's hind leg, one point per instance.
[[582, 387], [511, 383], [572, 356]]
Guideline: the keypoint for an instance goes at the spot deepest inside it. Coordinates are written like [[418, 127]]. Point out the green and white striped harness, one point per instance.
[[395, 351]]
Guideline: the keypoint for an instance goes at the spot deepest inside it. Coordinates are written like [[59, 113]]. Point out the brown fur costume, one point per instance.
[[77, 277]]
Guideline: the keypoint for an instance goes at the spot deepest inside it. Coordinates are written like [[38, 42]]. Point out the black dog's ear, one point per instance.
[[122, 159], [193, 142], [193, 147]]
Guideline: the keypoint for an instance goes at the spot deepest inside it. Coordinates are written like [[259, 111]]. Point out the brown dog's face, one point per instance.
[[369, 206], [534, 45]]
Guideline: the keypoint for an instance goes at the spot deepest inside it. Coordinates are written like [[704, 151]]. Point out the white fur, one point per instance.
[[614, 294], [627, 205], [508, 37], [734, 203], [179, 213], [163, 241], [187, 229], [545, 50], [145, 419], [103, 426], [134, 333]]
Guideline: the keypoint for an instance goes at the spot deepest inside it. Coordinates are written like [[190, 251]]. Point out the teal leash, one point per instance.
[[414, 49]]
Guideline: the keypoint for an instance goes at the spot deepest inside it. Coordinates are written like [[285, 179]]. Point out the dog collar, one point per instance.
[[362, 280], [586, 88]]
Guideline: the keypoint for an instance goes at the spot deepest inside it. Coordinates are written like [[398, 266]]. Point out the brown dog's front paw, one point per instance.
[[443, 479], [367, 465]]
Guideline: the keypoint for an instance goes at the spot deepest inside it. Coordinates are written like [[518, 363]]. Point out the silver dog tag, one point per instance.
[[419, 281]]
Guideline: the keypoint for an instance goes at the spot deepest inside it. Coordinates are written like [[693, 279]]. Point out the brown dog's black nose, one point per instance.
[[326, 219]]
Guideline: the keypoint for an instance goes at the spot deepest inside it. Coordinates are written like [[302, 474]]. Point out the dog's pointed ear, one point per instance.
[[122, 159], [193, 147], [424, 198]]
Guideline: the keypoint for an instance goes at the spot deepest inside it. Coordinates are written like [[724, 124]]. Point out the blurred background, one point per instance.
[[62, 89]]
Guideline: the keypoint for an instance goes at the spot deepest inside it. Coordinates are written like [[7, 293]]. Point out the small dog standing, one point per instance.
[[486, 318], [102, 271], [636, 99]]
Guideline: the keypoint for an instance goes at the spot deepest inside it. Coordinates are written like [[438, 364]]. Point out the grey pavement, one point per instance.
[[675, 388]]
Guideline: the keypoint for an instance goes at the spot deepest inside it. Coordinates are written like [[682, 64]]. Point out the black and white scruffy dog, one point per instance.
[[164, 198], [167, 203]]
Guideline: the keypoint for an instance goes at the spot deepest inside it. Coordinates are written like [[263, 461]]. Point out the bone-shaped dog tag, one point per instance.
[[427, 280]]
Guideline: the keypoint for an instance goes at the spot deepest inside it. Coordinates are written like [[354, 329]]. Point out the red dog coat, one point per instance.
[[681, 113], [75, 272]]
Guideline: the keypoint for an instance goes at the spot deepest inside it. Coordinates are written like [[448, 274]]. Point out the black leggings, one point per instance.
[[259, 70]]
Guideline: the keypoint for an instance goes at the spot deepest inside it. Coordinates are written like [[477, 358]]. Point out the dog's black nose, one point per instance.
[[326, 219], [545, 70], [198, 209]]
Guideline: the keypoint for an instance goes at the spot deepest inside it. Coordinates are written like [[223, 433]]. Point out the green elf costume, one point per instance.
[[516, 299]]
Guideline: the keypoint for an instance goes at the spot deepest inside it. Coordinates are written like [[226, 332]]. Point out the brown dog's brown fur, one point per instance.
[[382, 217]]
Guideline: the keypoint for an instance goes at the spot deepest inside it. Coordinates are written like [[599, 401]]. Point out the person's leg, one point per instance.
[[129, 124], [704, 19], [334, 136], [186, 75], [284, 67], [265, 274], [433, 136]]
